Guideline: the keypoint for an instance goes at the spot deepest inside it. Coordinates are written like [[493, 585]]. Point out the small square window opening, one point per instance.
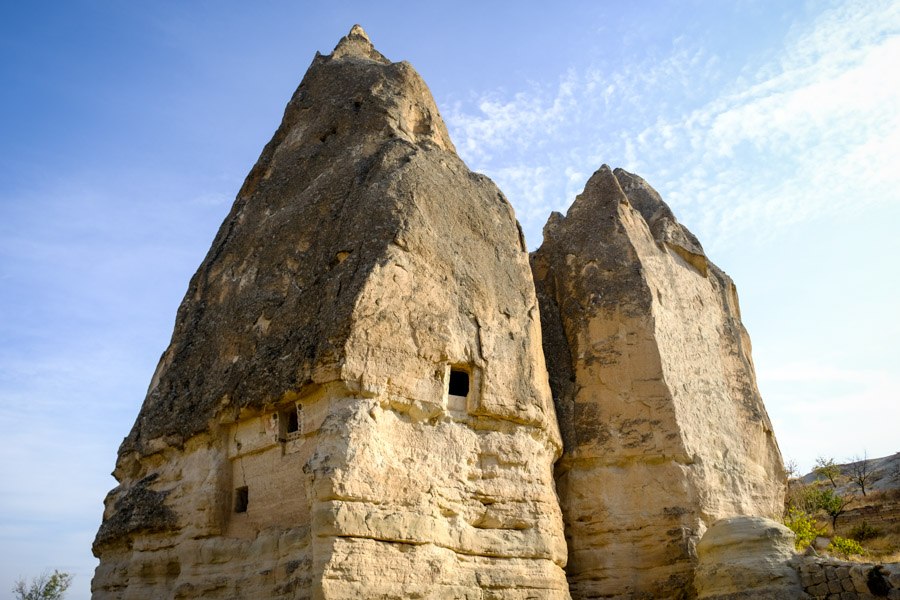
[[293, 421], [290, 423], [241, 499], [459, 383]]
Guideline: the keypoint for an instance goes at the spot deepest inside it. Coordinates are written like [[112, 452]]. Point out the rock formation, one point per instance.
[[663, 427], [354, 402], [747, 558]]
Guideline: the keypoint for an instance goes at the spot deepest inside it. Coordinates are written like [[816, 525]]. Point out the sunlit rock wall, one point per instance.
[[354, 402], [664, 430]]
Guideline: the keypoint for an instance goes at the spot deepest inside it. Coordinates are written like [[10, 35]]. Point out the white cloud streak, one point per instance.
[[814, 131]]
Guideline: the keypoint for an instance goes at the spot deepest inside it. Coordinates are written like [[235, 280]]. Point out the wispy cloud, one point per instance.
[[813, 130]]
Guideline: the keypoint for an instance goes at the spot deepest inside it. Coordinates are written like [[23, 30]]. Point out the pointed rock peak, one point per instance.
[[661, 220], [355, 98], [357, 44], [605, 183], [604, 173], [642, 196], [358, 31], [552, 223], [601, 193]]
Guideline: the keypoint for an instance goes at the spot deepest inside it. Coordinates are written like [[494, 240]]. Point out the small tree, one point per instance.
[[791, 470], [43, 587], [861, 472], [826, 468], [834, 505]]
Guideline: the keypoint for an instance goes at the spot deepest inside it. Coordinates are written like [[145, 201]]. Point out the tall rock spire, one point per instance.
[[664, 429], [354, 402]]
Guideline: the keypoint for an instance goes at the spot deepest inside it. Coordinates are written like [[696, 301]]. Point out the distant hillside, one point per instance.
[[885, 475], [873, 519]]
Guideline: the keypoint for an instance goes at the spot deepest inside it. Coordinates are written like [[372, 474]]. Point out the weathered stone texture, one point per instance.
[[753, 558], [747, 558], [298, 438], [827, 578], [355, 402], [664, 430]]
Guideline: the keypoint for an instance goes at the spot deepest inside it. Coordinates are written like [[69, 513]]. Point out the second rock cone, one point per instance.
[[663, 426]]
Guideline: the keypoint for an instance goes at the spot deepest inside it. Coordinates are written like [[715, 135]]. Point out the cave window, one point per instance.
[[241, 499], [293, 421], [289, 423], [459, 382]]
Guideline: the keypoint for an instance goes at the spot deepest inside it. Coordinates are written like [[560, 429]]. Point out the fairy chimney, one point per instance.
[[354, 402], [663, 426]]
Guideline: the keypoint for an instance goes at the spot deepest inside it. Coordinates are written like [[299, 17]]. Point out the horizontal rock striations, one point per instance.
[[354, 402], [664, 430]]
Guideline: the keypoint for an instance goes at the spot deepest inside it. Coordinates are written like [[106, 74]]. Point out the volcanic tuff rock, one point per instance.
[[354, 402], [747, 558], [663, 427]]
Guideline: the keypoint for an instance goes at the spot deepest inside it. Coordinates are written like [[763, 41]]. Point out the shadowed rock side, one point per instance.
[[354, 402], [664, 430]]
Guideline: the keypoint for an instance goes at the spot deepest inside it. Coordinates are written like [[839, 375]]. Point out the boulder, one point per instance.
[[747, 558]]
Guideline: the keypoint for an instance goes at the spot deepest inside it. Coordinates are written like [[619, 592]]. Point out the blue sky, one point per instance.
[[771, 128]]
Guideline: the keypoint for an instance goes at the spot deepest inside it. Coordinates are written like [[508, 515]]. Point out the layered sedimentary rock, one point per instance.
[[354, 402], [664, 430]]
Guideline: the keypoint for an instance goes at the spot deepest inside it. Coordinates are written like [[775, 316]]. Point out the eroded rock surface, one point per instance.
[[747, 558], [664, 430], [354, 402]]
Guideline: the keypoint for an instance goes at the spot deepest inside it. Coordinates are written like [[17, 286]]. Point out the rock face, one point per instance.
[[354, 402], [664, 430]]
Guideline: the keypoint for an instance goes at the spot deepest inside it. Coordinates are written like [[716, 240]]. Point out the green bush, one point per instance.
[[834, 504], [803, 526], [43, 587], [844, 546], [805, 498], [863, 532]]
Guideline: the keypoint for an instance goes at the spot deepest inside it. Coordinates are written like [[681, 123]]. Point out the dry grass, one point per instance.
[[871, 558], [884, 546]]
